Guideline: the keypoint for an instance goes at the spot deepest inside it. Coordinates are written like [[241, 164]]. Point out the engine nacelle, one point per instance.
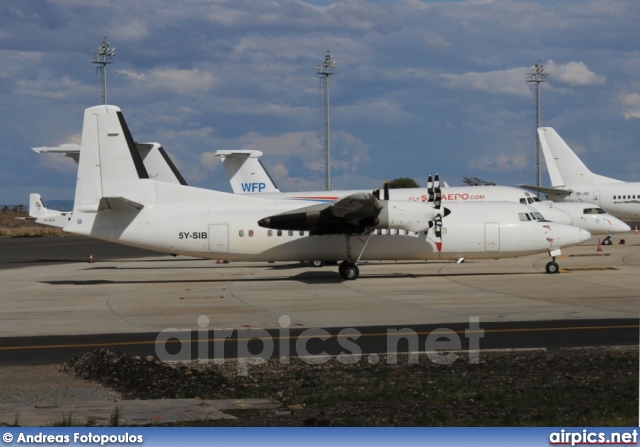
[[405, 215]]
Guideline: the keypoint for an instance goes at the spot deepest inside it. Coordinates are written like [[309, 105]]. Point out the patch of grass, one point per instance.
[[66, 420]]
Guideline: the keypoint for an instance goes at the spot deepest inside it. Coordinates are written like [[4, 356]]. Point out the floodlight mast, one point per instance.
[[326, 69], [537, 75], [105, 55]]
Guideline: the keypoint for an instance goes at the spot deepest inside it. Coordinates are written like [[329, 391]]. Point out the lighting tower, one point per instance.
[[105, 55], [537, 75], [325, 70]]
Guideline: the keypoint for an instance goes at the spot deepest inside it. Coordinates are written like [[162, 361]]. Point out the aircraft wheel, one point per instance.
[[317, 263], [553, 267], [349, 271], [607, 241]]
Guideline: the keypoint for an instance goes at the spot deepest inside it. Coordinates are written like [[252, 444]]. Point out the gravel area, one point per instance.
[[573, 387], [48, 384]]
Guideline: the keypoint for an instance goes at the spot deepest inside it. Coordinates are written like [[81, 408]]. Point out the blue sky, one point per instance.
[[421, 87]]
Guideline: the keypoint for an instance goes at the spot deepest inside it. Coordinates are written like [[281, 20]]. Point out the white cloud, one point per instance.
[[56, 89], [631, 102], [172, 79], [572, 74], [509, 81], [500, 163]]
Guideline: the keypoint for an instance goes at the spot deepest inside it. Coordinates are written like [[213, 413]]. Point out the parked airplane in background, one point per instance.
[[248, 175], [572, 181], [117, 201], [46, 216]]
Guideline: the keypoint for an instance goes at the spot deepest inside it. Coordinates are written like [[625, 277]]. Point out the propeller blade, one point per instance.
[[437, 193], [376, 193], [430, 188], [386, 190], [437, 229]]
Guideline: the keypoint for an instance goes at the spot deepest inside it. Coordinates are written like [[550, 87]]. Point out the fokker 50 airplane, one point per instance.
[[117, 201], [572, 181], [247, 175]]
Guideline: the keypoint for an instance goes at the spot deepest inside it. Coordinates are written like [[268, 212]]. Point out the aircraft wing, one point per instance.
[[547, 190], [350, 214]]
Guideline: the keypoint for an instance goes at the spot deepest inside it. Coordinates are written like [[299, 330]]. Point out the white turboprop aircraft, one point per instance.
[[247, 175], [43, 215], [572, 181], [117, 201]]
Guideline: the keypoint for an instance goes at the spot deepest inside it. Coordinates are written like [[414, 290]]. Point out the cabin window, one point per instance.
[[241, 233], [290, 232], [279, 232], [250, 233], [524, 217], [270, 233], [302, 233]]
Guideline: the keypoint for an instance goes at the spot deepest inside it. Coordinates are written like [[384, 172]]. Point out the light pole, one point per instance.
[[326, 69], [105, 55], [537, 75]]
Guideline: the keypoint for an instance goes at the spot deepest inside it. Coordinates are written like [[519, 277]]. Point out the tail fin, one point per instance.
[[245, 171], [45, 216], [564, 166], [110, 165]]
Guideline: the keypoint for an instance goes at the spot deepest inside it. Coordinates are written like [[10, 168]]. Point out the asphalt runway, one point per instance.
[[57, 304]]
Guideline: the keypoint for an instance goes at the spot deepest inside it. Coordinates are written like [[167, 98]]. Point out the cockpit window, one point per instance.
[[530, 200], [523, 200], [590, 211], [537, 199], [524, 217], [538, 216], [601, 211]]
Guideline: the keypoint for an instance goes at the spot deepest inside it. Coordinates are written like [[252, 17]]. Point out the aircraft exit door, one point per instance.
[[491, 236], [219, 238]]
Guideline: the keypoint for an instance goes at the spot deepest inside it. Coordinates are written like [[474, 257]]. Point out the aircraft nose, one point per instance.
[[622, 227], [584, 235]]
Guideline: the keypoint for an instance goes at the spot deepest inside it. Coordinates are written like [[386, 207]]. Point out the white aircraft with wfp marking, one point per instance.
[[572, 181], [247, 175], [117, 201]]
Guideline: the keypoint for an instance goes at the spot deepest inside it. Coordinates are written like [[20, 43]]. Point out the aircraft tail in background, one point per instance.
[[246, 172], [43, 215], [564, 166]]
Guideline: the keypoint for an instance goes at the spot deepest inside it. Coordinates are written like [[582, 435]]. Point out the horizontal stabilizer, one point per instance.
[[547, 190], [119, 203]]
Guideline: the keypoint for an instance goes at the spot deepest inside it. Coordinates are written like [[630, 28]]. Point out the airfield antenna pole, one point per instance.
[[105, 55], [326, 69], [537, 75]]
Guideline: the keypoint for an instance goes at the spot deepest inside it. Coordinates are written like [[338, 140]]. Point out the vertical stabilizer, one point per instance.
[[565, 168], [110, 164], [245, 171]]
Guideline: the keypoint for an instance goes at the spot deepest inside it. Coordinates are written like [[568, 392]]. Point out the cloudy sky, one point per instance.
[[421, 87]]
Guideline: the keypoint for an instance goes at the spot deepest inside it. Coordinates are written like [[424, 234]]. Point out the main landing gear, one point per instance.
[[349, 269]]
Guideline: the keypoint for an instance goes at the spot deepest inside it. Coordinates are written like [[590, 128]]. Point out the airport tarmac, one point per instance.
[[159, 293]]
